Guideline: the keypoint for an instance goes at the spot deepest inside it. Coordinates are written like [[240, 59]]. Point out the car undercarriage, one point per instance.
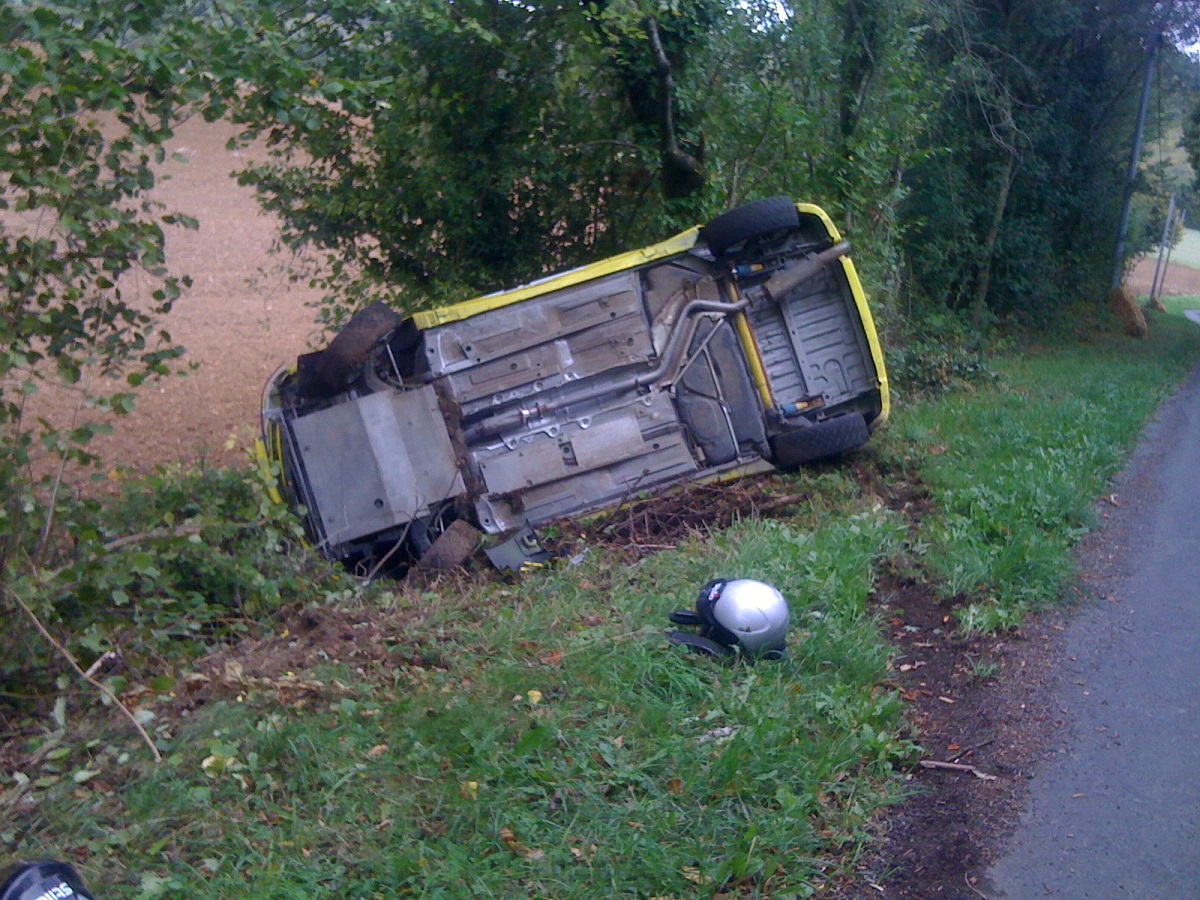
[[739, 347]]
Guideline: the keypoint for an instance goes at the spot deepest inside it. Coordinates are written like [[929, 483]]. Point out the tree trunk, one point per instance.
[[682, 173], [984, 280]]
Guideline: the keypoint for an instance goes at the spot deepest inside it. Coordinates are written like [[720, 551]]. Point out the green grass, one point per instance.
[[1014, 468], [546, 741], [565, 749], [1177, 305]]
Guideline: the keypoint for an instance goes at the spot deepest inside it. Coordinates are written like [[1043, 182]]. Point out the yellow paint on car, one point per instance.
[[681, 243], [864, 311]]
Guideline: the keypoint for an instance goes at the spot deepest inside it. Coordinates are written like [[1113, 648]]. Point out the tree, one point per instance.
[[461, 147], [89, 95], [87, 100], [1191, 141], [1016, 212], [827, 101], [467, 146]]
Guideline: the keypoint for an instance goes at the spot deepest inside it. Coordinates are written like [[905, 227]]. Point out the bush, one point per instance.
[[184, 557], [939, 353]]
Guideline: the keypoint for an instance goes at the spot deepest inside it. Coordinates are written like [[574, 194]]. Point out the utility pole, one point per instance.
[[1134, 157], [1164, 251]]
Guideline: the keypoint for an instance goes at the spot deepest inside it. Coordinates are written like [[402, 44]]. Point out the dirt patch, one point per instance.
[[1177, 281], [644, 526], [982, 703], [239, 321], [985, 702], [372, 643], [979, 703]]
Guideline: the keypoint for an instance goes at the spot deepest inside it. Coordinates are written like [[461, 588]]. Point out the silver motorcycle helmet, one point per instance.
[[736, 615]]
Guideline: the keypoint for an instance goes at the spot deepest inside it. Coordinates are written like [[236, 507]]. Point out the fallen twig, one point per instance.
[[781, 502], [969, 750], [184, 530], [967, 882], [100, 661], [956, 767]]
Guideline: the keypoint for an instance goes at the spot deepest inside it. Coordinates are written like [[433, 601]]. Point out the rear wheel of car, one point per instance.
[[821, 440], [732, 232], [350, 346]]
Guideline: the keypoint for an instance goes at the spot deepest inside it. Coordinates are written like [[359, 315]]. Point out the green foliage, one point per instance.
[[467, 147], [977, 152], [935, 353], [540, 737], [1191, 142], [178, 560], [90, 94], [461, 147], [828, 102], [1015, 211], [563, 745], [74, 225]]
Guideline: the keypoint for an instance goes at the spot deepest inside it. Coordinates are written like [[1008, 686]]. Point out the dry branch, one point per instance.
[[98, 685], [956, 767]]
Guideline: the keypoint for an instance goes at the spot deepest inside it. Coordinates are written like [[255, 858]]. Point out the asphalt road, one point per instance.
[[1114, 811]]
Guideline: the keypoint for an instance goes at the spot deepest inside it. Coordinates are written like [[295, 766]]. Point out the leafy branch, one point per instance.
[[81, 672]]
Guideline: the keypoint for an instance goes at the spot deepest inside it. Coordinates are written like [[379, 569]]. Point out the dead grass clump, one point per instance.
[[1125, 307]]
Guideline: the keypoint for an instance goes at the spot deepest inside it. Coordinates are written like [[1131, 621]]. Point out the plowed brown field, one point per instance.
[[239, 320]]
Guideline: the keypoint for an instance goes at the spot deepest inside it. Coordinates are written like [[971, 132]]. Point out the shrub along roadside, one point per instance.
[[545, 741], [178, 563]]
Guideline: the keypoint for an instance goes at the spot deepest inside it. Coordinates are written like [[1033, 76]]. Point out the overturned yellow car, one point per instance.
[[737, 347]]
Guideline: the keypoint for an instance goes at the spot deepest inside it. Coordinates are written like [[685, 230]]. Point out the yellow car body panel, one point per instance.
[[681, 243]]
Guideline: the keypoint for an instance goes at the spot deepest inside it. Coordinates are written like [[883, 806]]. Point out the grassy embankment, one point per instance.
[[537, 738]]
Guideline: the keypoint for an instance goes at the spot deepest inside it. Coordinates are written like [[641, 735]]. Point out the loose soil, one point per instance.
[[1177, 281], [982, 703]]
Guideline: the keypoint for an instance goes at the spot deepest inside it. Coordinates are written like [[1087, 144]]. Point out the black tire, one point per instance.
[[350, 346], [730, 233], [821, 440]]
